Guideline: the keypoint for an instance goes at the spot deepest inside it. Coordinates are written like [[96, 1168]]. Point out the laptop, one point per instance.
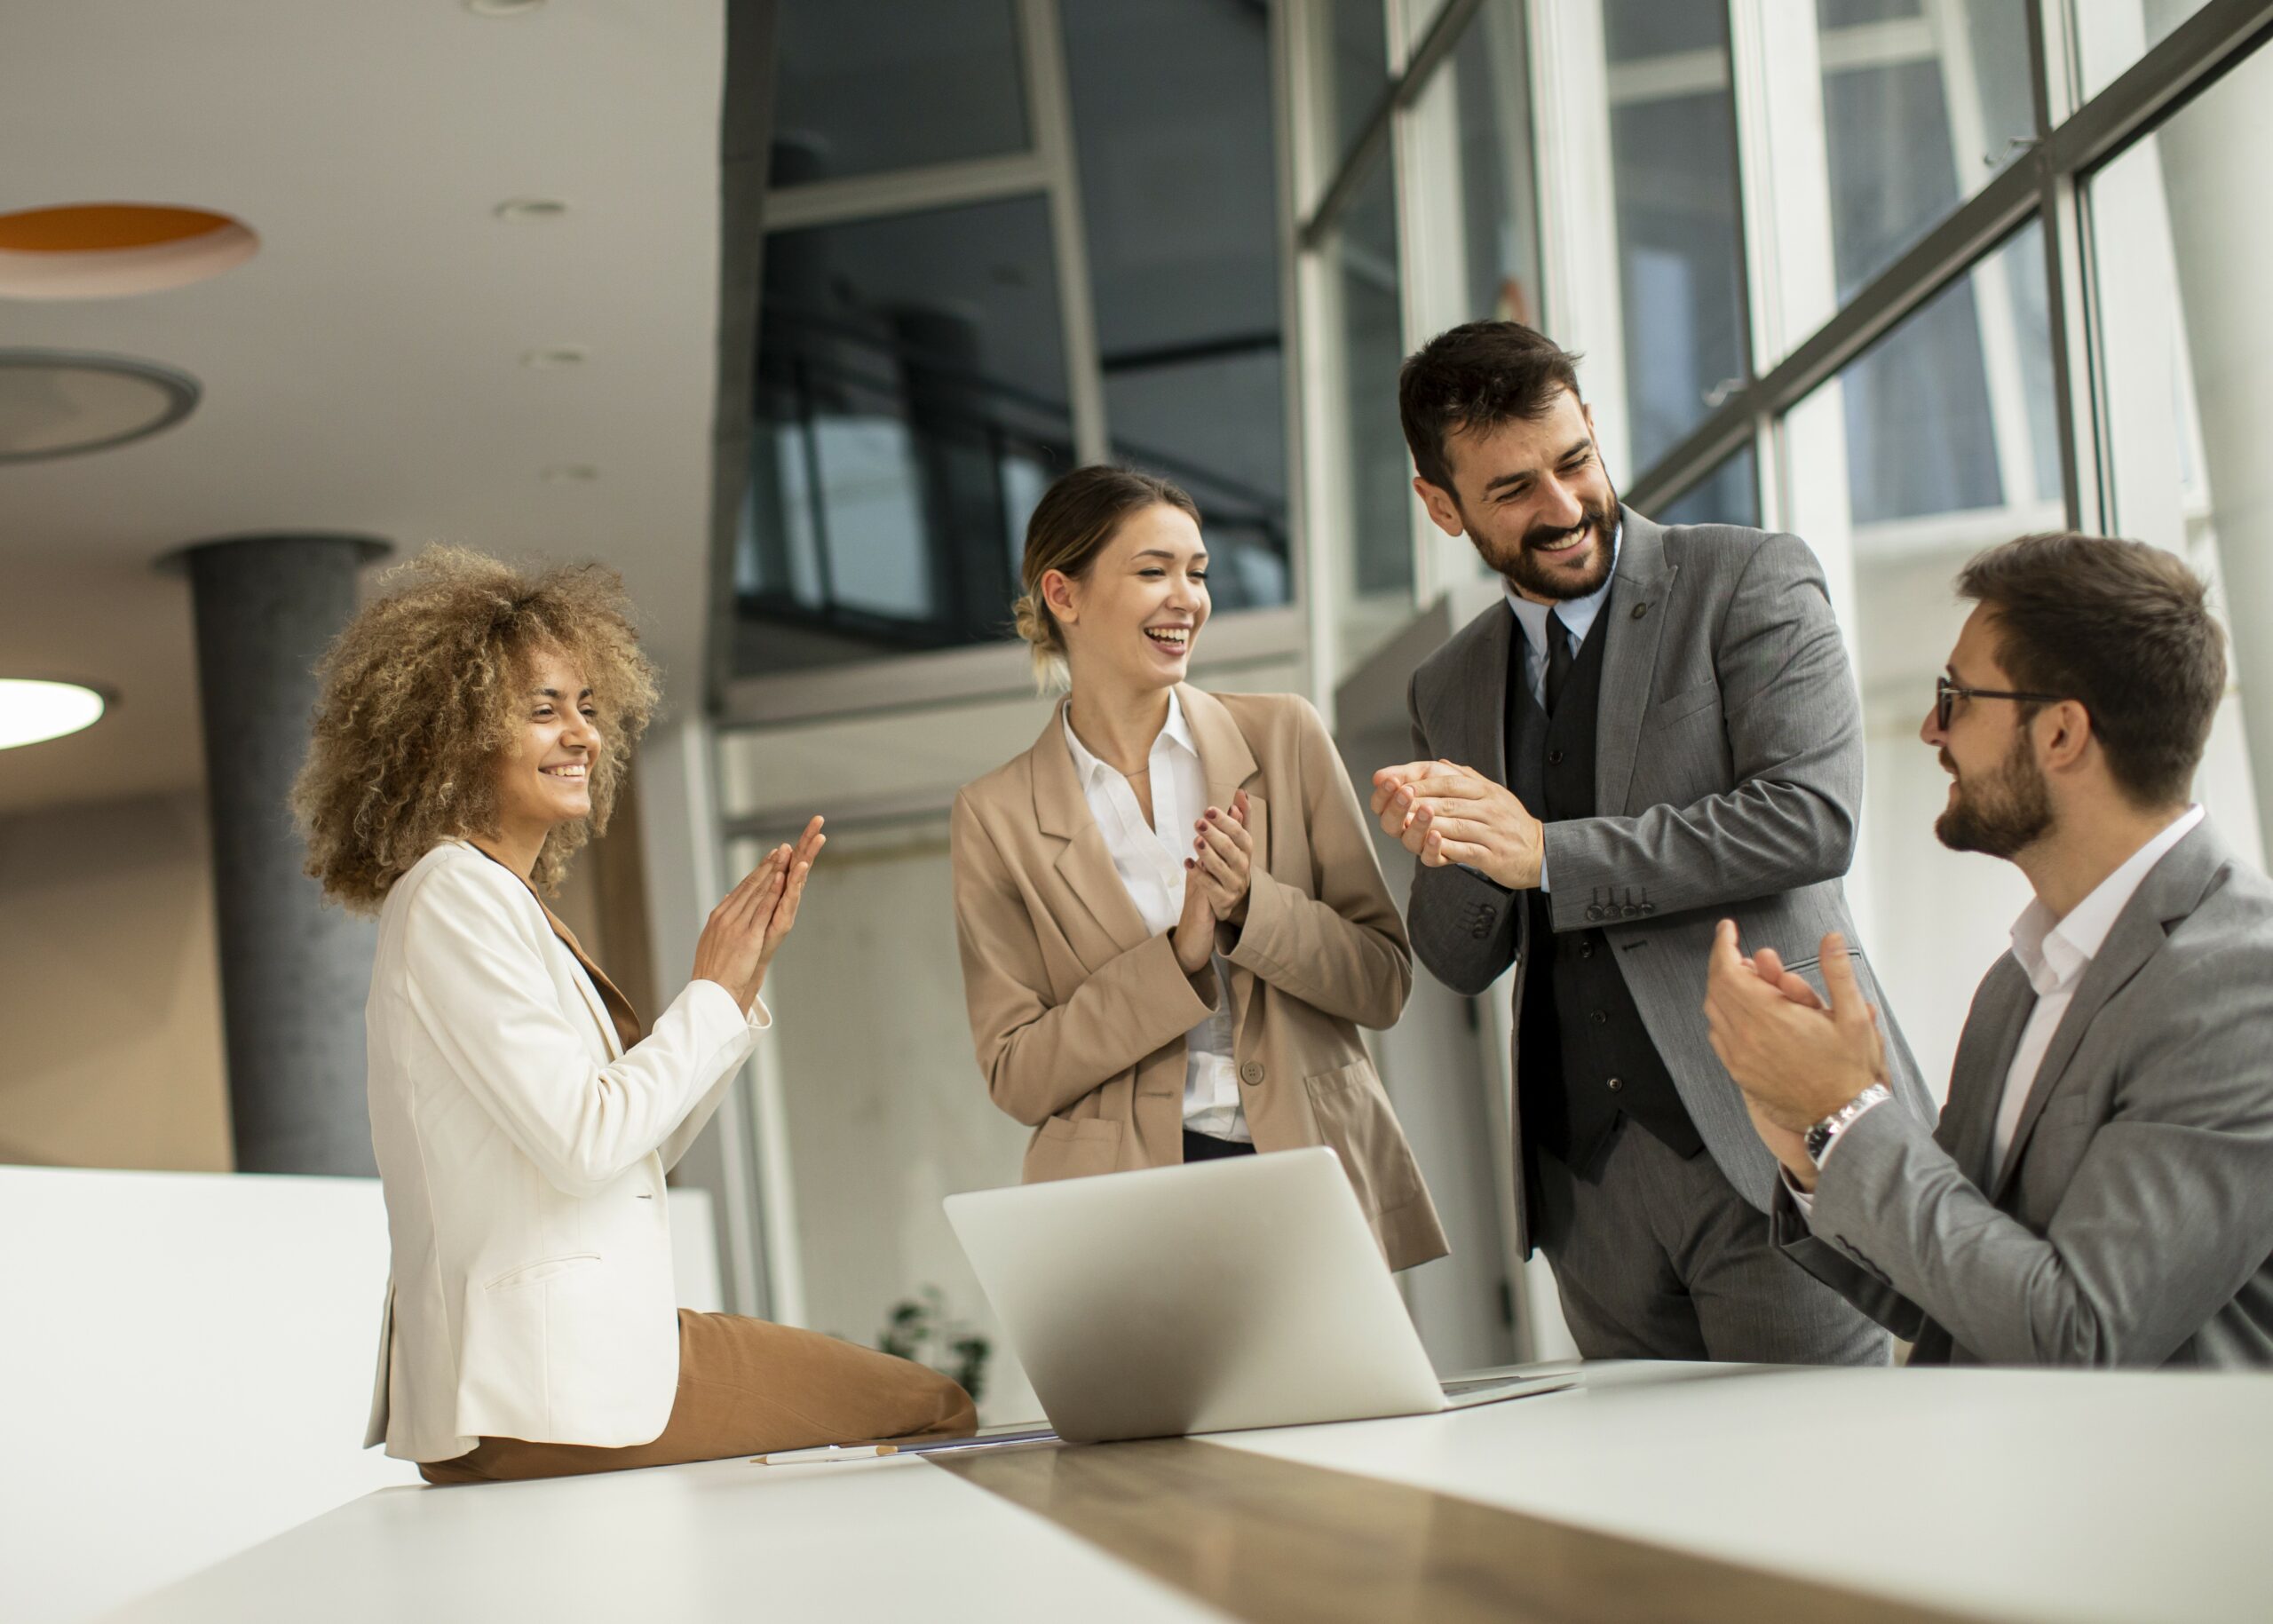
[[1212, 1297]]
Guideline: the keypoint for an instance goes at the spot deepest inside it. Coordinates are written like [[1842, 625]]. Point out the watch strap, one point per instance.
[[1823, 1135]]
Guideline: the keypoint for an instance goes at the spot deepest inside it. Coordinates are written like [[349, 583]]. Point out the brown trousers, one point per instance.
[[749, 1387]]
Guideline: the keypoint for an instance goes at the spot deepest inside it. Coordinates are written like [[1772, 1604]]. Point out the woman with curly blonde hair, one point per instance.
[[475, 723]]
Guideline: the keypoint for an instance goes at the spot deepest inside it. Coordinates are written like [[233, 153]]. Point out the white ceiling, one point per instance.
[[363, 372]]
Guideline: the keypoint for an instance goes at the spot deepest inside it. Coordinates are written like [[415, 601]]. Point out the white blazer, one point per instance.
[[522, 1151]]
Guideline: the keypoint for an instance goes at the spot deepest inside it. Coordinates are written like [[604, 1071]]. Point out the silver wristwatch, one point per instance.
[[1823, 1135]]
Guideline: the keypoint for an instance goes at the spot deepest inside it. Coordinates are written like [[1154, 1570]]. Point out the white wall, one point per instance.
[[186, 1370], [883, 1107]]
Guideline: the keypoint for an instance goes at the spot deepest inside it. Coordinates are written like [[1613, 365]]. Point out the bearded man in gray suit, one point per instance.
[[1657, 728], [2099, 1190]]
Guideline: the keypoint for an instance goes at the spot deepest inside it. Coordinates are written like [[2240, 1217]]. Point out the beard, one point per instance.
[[2001, 814], [1526, 566]]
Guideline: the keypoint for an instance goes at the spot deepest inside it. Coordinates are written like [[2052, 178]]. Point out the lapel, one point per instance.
[[1985, 1054], [618, 1024], [1484, 678], [1062, 812], [1637, 609], [1228, 764], [2172, 890]]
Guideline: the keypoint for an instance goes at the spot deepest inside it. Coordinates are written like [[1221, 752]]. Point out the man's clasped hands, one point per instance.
[[1796, 1060]]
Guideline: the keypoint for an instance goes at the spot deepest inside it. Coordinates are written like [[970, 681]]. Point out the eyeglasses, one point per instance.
[[1946, 695]]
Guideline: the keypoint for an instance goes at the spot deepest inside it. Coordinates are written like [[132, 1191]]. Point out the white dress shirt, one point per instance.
[[2053, 954], [1150, 861], [1577, 615]]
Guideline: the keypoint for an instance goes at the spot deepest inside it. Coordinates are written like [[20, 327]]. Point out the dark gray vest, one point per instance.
[[1583, 1056]]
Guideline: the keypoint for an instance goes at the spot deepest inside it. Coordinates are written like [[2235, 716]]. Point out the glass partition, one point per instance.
[[885, 85], [911, 403]]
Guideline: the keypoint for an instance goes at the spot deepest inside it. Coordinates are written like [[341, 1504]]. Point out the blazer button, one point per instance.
[[1630, 911], [1554, 758], [1479, 931], [1586, 950], [1594, 915], [1614, 1085], [1601, 1018], [1648, 907], [1251, 1073]]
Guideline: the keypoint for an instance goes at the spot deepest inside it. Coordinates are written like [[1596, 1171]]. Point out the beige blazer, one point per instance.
[[522, 1151], [1080, 1013]]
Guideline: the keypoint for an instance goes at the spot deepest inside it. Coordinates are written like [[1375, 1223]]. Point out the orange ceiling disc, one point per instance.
[[106, 250], [104, 228]]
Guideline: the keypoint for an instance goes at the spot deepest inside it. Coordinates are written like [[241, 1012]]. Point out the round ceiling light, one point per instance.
[[32, 712], [107, 251], [60, 403], [525, 211]]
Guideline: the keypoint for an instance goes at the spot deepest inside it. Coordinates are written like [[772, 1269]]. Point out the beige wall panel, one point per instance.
[[109, 989]]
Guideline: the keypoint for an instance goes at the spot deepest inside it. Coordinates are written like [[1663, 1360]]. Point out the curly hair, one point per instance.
[[421, 693]]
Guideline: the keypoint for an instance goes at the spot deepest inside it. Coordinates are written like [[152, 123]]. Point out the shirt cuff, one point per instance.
[[1801, 1198]]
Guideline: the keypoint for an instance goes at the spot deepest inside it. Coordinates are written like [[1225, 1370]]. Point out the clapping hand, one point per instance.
[[744, 932], [800, 863], [1445, 813], [1222, 863], [1796, 1060]]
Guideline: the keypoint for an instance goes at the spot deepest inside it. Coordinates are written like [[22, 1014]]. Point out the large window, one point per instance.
[[1003, 237], [1906, 277]]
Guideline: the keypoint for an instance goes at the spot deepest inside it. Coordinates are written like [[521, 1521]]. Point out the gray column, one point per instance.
[[294, 974]]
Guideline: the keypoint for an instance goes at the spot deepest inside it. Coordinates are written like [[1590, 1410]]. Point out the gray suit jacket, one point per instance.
[[1728, 774], [2132, 1221]]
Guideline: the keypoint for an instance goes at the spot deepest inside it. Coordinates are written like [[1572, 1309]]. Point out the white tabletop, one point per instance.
[[1996, 1494]]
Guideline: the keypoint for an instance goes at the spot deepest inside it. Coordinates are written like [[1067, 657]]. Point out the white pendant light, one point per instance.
[[31, 712]]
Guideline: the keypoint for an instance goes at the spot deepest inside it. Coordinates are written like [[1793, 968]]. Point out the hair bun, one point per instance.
[[1033, 621]]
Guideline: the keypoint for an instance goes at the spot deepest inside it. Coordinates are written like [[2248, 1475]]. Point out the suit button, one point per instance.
[[1601, 1018], [1479, 931], [1251, 1073], [1648, 907], [1554, 758], [1594, 915], [1614, 1085], [1586, 950], [1629, 912]]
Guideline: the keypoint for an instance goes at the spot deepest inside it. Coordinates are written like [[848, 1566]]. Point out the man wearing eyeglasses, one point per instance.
[[2100, 1189]]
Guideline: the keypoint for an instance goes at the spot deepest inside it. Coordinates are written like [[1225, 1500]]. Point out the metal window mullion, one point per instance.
[[1042, 48], [2076, 395], [1420, 179], [1293, 31], [932, 186], [2193, 55], [1426, 57]]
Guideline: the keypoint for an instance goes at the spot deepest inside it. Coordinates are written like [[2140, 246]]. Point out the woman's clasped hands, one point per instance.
[[1217, 877]]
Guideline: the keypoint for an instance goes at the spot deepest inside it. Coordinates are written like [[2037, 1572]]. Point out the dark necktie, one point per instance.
[[1559, 658]]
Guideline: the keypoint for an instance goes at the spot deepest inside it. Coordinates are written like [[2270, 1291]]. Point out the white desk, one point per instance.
[[1993, 1493]]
